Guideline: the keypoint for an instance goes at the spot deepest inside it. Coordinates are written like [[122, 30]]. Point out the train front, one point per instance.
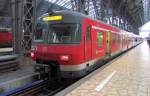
[[57, 47]]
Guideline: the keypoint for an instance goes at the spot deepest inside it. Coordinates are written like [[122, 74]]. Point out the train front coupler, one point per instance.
[[43, 70]]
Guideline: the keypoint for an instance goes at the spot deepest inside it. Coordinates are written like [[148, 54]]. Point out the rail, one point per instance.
[[26, 90], [9, 63]]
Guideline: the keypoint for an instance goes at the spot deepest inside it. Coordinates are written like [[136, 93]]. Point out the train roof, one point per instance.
[[68, 16], [76, 17]]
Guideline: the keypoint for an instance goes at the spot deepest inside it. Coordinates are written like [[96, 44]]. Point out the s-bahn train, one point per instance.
[[70, 44], [5, 37]]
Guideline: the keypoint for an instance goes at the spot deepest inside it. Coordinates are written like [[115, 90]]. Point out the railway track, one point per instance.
[[38, 88], [58, 87], [27, 90], [8, 63]]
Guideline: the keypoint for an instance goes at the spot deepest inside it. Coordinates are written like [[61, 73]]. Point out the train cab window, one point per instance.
[[100, 39], [88, 31], [66, 33]]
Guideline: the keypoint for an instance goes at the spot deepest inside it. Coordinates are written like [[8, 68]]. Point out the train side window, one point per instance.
[[118, 38], [100, 39], [114, 38], [88, 31]]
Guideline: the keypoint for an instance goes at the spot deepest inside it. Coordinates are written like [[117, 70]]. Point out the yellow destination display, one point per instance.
[[50, 18]]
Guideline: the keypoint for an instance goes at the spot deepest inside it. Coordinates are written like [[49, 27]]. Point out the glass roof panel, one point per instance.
[[146, 7], [62, 3], [68, 4]]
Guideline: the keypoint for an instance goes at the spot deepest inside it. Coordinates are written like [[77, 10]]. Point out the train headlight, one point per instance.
[[32, 54], [64, 58]]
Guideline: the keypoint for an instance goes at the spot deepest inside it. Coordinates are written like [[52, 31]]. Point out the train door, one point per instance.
[[121, 41], [100, 43], [88, 44], [108, 50]]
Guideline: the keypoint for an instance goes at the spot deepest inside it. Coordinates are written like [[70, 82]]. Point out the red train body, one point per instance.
[[5, 37], [72, 44]]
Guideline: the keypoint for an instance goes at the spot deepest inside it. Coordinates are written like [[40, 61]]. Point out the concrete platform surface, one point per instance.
[[128, 75]]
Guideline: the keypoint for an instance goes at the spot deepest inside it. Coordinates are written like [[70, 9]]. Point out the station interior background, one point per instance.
[[145, 30]]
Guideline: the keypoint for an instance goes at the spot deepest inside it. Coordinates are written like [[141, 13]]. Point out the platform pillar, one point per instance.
[[23, 14]]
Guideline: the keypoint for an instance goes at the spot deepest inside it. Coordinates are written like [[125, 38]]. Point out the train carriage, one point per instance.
[[70, 44], [5, 37]]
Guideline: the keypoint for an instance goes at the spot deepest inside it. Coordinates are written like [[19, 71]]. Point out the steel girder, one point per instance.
[[146, 7], [116, 12], [16, 25], [28, 24], [23, 13], [80, 6]]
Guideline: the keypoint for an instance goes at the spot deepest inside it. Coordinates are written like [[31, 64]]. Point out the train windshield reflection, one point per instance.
[[66, 33]]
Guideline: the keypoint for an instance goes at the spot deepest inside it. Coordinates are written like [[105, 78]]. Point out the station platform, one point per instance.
[[22, 76], [127, 75]]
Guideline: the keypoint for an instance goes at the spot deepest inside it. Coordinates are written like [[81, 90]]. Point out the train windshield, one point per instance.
[[59, 33]]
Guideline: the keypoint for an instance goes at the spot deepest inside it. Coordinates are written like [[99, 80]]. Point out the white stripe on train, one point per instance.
[[77, 67]]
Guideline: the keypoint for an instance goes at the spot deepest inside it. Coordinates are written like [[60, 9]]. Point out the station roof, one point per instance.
[[137, 11]]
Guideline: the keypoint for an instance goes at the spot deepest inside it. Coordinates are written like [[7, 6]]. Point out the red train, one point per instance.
[[70, 44], [5, 37]]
